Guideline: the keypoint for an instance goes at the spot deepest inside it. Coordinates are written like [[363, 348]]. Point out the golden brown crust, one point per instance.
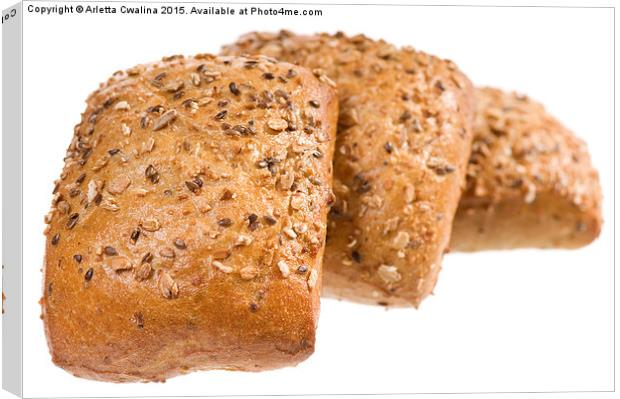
[[188, 226], [530, 182], [403, 143]]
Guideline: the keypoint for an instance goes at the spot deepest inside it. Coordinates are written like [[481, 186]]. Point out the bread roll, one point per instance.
[[403, 143], [530, 182], [188, 225]]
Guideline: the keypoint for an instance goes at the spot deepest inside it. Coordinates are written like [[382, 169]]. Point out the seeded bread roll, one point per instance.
[[530, 182], [188, 226], [403, 143]]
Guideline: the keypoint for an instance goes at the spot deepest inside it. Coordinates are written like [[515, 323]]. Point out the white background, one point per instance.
[[499, 321]]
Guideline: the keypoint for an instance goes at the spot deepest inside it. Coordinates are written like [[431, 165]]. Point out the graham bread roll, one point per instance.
[[187, 228], [403, 143], [530, 182]]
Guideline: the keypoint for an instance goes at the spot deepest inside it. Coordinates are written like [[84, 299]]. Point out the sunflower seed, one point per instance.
[[164, 120], [167, 286]]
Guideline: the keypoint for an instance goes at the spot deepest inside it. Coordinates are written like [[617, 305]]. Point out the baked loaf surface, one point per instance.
[[188, 226], [403, 143], [530, 182]]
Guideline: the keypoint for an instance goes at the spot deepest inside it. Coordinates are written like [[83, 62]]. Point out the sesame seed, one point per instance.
[[179, 243], [195, 79], [55, 239], [314, 103], [530, 195], [409, 193], [77, 258], [243, 241], [289, 232], [300, 228], [268, 76], [284, 269], [313, 279]]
